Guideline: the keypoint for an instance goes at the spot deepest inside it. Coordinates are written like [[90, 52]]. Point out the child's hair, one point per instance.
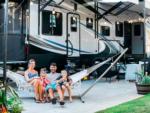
[[66, 72], [43, 70]]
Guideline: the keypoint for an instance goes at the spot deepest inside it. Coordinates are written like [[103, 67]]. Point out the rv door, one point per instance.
[[138, 38], [73, 35]]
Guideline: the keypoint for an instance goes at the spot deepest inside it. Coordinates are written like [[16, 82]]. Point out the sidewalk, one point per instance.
[[102, 96]]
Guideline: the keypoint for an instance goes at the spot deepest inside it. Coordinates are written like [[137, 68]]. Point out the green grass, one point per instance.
[[140, 105]]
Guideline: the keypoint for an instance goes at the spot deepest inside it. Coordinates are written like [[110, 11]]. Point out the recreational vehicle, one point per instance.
[[80, 31]]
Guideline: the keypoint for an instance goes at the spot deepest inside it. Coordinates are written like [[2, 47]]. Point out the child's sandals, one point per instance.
[[37, 100], [42, 101]]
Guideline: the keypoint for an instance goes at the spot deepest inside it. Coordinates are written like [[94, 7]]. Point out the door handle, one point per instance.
[[69, 42]]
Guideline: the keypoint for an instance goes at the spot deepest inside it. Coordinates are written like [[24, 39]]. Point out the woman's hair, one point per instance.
[[30, 61]]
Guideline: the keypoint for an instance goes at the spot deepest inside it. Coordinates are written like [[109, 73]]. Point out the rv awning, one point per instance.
[[147, 4], [113, 1]]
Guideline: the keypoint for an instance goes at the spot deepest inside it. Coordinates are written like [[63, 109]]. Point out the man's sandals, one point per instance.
[[54, 101]]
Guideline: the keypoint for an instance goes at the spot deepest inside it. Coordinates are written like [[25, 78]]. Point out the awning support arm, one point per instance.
[[45, 5], [105, 72]]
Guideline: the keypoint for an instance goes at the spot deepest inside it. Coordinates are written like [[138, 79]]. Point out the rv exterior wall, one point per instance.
[[33, 19], [87, 35]]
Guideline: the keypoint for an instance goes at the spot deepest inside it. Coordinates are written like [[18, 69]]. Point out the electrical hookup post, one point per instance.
[[5, 50]]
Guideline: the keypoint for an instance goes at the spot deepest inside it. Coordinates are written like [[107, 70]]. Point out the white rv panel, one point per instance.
[[147, 29], [33, 19], [147, 4]]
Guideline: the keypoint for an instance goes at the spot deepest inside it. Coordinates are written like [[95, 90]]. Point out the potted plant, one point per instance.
[[143, 83], [13, 102]]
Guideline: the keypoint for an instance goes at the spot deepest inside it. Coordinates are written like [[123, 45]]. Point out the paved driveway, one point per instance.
[[102, 96]]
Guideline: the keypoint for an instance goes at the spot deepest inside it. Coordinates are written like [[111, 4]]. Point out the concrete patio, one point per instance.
[[102, 96]]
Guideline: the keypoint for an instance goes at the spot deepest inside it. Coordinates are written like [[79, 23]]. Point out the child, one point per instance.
[[44, 82], [65, 82]]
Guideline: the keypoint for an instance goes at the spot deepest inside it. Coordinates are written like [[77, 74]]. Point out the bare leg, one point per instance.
[[63, 90], [51, 93], [60, 93], [69, 92], [46, 97], [41, 92], [36, 89]]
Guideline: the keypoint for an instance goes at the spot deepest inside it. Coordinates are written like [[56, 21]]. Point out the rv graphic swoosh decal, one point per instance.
[[61, 45], [57, 46]]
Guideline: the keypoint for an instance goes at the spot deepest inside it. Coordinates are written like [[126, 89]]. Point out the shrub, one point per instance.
[[13, 102], [142, 78]]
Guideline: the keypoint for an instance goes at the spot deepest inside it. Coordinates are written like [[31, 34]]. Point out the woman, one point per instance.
[[31, 76]]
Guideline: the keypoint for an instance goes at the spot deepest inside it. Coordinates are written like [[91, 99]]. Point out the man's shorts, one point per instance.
[[52, 86]]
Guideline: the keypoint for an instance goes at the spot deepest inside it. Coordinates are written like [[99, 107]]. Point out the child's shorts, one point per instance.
[[52, 86]]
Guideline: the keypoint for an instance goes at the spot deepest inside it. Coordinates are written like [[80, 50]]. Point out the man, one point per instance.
[[53, 86]]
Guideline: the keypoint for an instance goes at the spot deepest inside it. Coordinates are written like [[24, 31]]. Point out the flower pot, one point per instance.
[[142, 89]]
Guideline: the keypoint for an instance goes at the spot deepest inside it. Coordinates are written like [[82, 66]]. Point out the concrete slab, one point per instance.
[[102, 96]]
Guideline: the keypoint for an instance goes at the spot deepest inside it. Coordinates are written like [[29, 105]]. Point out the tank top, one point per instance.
[[32, 75]]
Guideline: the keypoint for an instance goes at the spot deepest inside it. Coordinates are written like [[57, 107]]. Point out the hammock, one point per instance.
[[80, 75], [25, 90]]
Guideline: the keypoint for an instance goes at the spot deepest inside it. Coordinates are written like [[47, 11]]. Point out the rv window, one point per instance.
[[1, 20], [89, 23], [137, 30], [105, 30], [51, 23], [74, 24], [14, 19], [119, 29]]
